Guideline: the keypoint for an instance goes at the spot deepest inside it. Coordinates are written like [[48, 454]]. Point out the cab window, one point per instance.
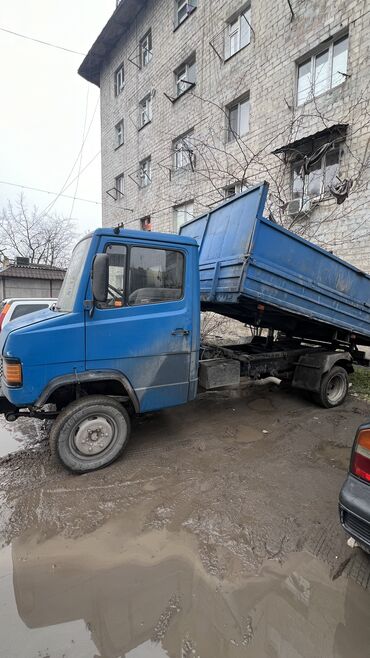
[[155, 275]]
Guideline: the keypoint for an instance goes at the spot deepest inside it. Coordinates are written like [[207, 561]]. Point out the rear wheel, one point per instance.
[[90, 433], [333, 388]]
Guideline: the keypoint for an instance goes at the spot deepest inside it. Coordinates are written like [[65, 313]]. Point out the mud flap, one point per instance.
[[311, 367]]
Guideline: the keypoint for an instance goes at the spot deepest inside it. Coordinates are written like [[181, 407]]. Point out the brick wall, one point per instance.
[[266, 68]]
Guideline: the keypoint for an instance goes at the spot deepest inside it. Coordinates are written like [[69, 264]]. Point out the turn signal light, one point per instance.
[[12, 372], [3, 314], [360, 463]]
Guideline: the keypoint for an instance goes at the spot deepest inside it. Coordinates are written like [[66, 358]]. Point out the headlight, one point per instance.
[[12, 372]]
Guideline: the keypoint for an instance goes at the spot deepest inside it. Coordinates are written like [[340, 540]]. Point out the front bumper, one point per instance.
[[354, 510]]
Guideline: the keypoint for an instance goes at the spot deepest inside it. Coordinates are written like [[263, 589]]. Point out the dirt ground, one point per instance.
[[216, 535]]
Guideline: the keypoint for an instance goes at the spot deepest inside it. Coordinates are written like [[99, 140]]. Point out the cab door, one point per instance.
[[144, 329]]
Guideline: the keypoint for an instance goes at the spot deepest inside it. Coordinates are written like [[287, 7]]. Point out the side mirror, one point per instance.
[[100, 277]]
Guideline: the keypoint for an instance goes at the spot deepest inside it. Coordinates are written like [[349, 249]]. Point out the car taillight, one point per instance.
[[360, 463], [3, 314]]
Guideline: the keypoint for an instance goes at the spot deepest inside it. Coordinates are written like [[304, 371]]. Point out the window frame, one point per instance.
[[125, 298], [323, 166], [236, 18], [119, 72], [145, 110], [104, 306], [231, 135], [146, 175], [180, 4], [116, 127], [320, 50], [146, 49], [182, 205], [120, 193], [185, 68], [177, 151]]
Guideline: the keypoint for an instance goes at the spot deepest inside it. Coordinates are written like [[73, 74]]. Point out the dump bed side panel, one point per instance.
[[247, 261], [297, 276]]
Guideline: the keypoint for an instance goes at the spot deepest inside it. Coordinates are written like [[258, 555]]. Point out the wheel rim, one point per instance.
[[93, 436], [336, 389]]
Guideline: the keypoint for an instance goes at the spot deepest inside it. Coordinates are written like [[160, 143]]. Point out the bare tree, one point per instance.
[[44, 239]]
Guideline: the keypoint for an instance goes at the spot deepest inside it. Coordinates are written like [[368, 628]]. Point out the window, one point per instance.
[[155, 275], [183, 152], [238, 119], [183, 9], [323, 70], [320, 175], [236, 188], [120, 186], [145, 172], [238, 33], [119, 133], [146, 49], [146, 224], [119, 80], [116, 280], [182, 214], [24, 309], [145, 110], [185, 76]]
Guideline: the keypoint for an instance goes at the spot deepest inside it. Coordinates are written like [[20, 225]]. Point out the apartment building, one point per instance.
[[201, 99]]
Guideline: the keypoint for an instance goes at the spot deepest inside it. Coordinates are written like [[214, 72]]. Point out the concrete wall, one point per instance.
[[267, 69]]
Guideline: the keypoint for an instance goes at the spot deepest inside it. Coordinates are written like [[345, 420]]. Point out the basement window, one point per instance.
[[324, 70]]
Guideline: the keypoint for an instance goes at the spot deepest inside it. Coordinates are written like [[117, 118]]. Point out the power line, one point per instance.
[[37, 189], [64, 186], [44, 43]]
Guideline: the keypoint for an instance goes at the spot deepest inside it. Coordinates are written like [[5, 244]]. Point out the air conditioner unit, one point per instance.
[[299, 206]]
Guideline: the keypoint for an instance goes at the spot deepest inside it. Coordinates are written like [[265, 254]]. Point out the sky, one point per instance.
[[46, 108]]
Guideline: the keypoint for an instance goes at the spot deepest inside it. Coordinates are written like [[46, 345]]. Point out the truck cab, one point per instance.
[[123, 337]]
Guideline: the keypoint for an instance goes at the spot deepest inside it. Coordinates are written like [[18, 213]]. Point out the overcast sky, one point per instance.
[[43, 105]]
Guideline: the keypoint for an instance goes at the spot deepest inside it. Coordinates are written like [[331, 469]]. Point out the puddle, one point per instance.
[[117, 593], [15, 436]]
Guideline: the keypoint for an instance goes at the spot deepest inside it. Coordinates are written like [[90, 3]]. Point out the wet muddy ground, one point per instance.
[[216, 535]]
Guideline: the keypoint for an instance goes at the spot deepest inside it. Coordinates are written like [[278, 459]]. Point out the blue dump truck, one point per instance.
[[124, 335]]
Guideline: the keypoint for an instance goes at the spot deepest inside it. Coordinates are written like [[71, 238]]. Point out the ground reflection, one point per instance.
[[110, 595]]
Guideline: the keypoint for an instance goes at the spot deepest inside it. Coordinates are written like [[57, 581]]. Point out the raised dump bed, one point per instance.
[[255, 271]]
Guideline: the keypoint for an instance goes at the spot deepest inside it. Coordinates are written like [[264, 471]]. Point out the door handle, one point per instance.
[[181, 332]]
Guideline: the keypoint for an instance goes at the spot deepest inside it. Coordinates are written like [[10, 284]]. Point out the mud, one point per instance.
[[216, 534]]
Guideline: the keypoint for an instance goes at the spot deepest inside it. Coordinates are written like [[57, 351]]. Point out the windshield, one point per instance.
[[68, 292]]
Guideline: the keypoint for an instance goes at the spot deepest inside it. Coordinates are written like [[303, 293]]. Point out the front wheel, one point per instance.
[[333, 388], [90, 433]]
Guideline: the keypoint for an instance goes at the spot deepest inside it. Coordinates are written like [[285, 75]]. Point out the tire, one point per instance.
[[90, 433], [333, 388]]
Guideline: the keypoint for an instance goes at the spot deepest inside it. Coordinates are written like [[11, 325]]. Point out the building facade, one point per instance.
[[202, 99]]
